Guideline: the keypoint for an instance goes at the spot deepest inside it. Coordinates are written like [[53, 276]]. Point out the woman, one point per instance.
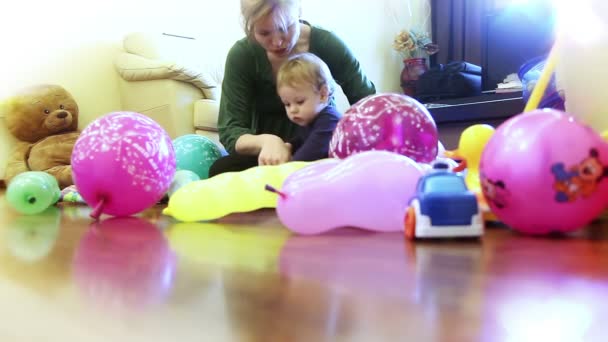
[[253, 125]]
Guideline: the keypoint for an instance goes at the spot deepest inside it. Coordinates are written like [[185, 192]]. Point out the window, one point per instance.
[[444, 185]]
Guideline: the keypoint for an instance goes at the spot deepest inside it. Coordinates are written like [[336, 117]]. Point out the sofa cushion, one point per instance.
[[149, 56]]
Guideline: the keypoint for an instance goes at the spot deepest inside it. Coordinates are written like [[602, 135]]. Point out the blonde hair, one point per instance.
[[305, 68], [281, 10]]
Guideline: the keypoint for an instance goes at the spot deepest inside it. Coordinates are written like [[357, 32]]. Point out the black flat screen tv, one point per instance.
[[512, 36]]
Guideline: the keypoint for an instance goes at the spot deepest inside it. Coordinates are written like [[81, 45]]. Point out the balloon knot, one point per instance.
[[276, 191]]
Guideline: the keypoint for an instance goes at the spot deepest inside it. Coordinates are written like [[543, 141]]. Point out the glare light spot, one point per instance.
[[552, 320], [579, 20]]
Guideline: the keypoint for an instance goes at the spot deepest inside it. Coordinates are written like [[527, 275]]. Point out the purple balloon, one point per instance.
[[389, 122], [123, 163], [369, 190], [544, 171]]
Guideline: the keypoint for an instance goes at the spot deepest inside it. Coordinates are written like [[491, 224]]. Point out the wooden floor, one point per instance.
[[64, 277]]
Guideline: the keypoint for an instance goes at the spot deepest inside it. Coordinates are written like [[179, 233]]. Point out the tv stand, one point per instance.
[[452, 116]]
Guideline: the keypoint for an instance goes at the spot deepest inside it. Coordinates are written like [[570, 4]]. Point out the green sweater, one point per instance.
[[249, 103]]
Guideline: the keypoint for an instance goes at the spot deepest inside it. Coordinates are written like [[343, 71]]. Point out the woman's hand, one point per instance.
[[274, 151]]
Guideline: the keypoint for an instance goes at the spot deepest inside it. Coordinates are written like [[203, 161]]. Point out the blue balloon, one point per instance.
[[195, 153]]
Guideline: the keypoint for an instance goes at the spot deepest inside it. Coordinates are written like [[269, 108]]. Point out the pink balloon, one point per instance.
[[369, 190], [544, 171], [389, 122], [123, 163]]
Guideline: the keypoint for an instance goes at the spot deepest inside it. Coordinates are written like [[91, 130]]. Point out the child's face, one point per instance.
[[302, 103]]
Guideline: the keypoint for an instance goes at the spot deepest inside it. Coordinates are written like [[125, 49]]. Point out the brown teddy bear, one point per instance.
[[44, 119]]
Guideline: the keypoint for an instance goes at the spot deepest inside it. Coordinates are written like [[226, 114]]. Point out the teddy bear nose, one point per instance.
[[62, 115]]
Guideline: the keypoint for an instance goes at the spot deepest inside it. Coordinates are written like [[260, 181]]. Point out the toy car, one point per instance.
[[443, 207]]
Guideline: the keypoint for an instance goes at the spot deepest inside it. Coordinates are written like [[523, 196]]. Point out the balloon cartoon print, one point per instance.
[[580, 180], [495, 191]]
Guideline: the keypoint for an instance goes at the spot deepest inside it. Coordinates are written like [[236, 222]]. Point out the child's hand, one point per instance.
[[274, 151], [290, 148]]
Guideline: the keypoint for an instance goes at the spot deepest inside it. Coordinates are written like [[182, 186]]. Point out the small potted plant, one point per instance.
[[414, 46]]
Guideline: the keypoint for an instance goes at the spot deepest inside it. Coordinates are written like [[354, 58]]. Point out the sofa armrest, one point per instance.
[[132, 68], [175, 80], [153, 56]]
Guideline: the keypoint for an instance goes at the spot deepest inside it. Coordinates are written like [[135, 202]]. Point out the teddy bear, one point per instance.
[[44, 119]]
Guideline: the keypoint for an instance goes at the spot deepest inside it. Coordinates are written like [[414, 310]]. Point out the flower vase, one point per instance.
[[412, 69]]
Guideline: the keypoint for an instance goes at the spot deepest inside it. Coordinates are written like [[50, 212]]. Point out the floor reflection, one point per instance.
[[229, 246], [36, 250], [349, 259], [535, 315], [124, 262], [445, 271], [31, 238], [75, 211], [434, 279], [555, 291]]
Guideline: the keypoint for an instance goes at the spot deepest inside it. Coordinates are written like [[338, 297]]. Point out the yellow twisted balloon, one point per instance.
[[231, 192]]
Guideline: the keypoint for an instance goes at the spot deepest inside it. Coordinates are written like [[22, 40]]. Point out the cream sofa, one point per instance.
[[175, 80], [7, 142]]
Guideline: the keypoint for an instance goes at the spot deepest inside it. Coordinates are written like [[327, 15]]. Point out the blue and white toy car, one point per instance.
[[443, 207]]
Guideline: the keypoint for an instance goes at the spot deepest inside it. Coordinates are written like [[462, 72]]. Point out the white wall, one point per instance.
[[72, 42], [368, 27]]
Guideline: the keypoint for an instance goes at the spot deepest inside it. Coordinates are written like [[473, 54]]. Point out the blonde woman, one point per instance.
[[253, 125], [305, 85]]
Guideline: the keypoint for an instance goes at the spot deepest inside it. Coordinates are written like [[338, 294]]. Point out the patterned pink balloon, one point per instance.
[[123, 163], [544, 171], [390, 122]]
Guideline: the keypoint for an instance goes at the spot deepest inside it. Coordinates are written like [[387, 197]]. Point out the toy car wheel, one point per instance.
[[410, 223]]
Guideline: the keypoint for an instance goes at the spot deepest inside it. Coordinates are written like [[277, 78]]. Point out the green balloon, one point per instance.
[[195, 153], [32, 192]]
